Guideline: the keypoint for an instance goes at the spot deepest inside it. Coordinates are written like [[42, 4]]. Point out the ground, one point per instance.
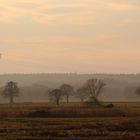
[[21, 122]]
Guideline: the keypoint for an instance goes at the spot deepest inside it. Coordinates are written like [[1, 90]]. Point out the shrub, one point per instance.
[[110, 106], [39, 113]]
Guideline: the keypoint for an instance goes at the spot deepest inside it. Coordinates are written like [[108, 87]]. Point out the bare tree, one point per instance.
[[94, 88], [138, 91], [82, 94], [10, 91], [67, 91], [56, 95]]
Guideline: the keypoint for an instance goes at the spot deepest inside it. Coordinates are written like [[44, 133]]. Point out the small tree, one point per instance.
[[67, 91], [94, 88], [56, 95], [10, 91], [138, 91], [82, 94]]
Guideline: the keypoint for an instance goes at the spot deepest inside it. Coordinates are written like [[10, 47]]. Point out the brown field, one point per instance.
[[42, 121]]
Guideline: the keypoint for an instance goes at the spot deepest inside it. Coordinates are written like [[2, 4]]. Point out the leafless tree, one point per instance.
[[10, 91], [94, 88], [82, 94], [56, 95], [67, 91]]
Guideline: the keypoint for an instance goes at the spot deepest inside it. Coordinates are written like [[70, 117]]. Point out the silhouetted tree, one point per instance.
[[138, 91], [10, 91], [56, 95], [82, 94], [67, 91], [94, 88]]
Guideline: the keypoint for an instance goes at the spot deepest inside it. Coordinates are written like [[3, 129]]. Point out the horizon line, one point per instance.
[[72, 73]]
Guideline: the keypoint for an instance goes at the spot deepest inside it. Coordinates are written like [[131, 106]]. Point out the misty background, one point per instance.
[[77, 36], [33, 87]]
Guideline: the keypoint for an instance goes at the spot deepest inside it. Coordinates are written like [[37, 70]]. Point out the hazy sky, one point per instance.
[[84, 36]]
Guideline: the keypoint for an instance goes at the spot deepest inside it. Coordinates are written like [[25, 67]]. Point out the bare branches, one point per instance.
[[82, 93], [11, 90], [67, 91], [94, 87], [55, 95]]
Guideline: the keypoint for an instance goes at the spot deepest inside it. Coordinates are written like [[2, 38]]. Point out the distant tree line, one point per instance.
[[91, 90], [88, 92]]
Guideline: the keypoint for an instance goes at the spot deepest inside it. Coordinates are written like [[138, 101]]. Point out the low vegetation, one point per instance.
[[62, 119], [43, 121]]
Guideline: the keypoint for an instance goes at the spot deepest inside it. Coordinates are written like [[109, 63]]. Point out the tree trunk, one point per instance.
[[11, 100], [67, 99], [57, 102], [95, 101]]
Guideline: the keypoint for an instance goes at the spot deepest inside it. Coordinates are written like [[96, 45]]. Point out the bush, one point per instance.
[[94, 104], [39, 113], [110, 106]]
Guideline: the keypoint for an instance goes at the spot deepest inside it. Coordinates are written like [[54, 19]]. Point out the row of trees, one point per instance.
[[90, 90]]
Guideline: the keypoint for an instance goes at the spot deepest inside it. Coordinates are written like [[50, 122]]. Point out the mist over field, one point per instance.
[[69, 69], [77, 36], [33, 87]]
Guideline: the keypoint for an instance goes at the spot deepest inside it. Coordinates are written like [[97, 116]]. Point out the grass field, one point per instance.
[[69, 122]]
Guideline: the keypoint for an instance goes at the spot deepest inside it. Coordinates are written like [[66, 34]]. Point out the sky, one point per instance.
[[77, 36]]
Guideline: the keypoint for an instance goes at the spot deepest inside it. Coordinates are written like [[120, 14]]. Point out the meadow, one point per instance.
[[75, 121]]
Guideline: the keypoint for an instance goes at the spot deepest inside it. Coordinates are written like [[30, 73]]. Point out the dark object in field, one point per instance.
[[97, 104], [39, 113], [93, 104], [64, 112], [110, 106]]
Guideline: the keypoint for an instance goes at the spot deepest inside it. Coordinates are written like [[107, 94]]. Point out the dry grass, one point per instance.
[[77, 123]]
